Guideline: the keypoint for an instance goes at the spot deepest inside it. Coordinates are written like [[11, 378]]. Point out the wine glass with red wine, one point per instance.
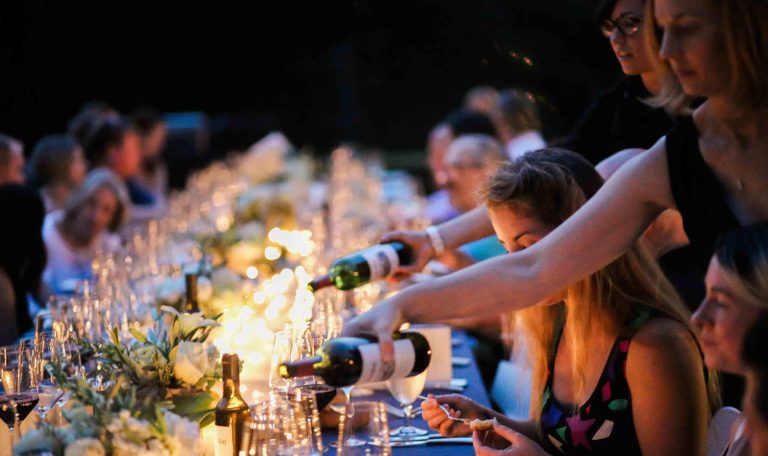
[[19, 395]]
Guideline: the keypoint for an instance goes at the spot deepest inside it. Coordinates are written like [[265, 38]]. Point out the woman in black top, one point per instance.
[[618, 119]]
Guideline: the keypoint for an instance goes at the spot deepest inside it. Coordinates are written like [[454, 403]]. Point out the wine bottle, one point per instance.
[[348, 361], [374, 263], [232, 410], [190, 296]]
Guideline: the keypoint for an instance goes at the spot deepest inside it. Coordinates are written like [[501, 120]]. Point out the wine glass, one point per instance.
[[293, 343], [18, 378], [366, 418], [9, 416], [49, 391], [406, 390], [276, 427]]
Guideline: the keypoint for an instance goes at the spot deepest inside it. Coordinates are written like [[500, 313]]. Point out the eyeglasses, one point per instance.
[[629, 24]]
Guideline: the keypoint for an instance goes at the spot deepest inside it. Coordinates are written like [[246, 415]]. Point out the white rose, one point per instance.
[[146, 356], [182, 435], [84, 447], [191, 362]]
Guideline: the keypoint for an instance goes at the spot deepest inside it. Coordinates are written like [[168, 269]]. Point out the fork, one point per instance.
[[445, 410]]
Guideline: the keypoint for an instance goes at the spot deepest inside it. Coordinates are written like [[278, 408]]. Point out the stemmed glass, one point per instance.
[[49, 391], [18, 378], [406, 390]]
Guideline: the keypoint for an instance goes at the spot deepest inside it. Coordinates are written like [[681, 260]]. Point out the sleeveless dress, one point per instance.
[[603, 424], [701, 200]]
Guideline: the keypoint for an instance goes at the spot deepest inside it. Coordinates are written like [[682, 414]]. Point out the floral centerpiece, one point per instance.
[[171, 361], [113, 423]]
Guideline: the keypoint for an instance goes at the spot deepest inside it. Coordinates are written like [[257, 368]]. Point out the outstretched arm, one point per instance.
[[595, 235]]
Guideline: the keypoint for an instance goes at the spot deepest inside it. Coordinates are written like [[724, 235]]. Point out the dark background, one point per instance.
[[377, 72]]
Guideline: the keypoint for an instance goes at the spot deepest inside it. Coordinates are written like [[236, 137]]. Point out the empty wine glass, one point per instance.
[[49, 391], [276, 427], [367, 419], [406, 390]]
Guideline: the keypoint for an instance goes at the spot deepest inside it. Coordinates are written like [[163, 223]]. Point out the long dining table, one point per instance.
[[474, 389]]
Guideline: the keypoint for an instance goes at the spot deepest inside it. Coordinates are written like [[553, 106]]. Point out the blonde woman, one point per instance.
[[615, 366], [737, 295], [89, 222]]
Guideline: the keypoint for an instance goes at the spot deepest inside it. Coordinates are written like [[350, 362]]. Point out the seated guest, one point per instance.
[[81, 126], [615, 366], [468, 163], [152, 131], [115, 145], [11, 160], [517, 121], [439, 208], [56, 168], [94, 212], [756, 399], [737, 294], [22, 258], [462, 122], [481, 99]]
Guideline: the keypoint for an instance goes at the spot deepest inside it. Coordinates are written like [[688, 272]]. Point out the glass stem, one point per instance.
[[407, 410]]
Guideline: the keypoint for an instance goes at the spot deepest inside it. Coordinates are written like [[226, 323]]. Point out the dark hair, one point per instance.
[[541, 184], [743, 255], [145, 119], [7, 145], [518, 111], [463, 122], [604, 10], [81, 126], [755, 355], [51, 160], [106, 132]]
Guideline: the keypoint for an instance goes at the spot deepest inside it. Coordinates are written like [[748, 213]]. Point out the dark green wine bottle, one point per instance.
[[364, 266], [345, 361]]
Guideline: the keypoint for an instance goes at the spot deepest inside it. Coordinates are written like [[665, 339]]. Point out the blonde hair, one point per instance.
[[550, 185], [745, 31], [97, 179]]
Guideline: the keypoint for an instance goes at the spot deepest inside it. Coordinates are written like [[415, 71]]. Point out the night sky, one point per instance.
[[377, 72]]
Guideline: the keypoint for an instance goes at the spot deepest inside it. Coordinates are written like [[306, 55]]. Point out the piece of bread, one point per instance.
[[482, 425]]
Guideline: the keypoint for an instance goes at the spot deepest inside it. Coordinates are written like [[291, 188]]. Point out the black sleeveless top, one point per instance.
[[701, 200], [697, 192]]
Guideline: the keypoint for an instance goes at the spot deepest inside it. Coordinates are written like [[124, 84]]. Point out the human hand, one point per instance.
[[458, 406], [380, 321], [421, 247], [503, 441]]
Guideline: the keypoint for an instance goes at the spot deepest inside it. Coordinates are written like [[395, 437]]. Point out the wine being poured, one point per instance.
[[364, 266]]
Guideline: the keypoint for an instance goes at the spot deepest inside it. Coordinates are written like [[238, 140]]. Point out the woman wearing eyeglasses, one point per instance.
[[618, 119]]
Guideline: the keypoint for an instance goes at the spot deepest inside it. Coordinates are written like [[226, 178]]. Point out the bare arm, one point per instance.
[[669, 395], [468, 227], [594, 236]]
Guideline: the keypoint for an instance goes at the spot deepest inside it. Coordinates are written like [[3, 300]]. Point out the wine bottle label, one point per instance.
[[224, 444], [373, 370], [382, 260]]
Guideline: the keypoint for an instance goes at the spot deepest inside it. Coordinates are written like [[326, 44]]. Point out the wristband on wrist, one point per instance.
[[438, 245]]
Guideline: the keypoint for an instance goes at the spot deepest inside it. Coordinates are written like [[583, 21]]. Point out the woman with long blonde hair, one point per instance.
[[615, 365]]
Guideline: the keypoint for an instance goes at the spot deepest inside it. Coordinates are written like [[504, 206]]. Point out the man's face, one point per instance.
[[14, 172], [465, 173]]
